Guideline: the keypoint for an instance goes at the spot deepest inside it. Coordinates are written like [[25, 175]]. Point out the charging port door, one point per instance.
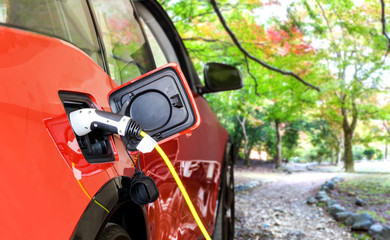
[[160, 101]]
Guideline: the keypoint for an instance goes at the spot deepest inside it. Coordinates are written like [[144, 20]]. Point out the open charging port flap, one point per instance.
[[160, 101]]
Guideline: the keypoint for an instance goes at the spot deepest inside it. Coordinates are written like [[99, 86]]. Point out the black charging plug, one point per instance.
[[143, 189]]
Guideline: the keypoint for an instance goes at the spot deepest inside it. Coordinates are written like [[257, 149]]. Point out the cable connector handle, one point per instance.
[[85, 120]]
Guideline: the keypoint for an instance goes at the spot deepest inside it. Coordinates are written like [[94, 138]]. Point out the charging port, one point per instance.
[[95, 146]]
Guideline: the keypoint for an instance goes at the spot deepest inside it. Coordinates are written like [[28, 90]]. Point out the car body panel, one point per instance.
[[38, 187]]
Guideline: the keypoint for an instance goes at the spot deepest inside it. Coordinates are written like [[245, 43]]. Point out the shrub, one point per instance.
[[358, 152], [379, 154], [369, 153]]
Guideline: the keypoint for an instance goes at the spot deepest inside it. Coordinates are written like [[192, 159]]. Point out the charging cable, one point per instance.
[[146, 143]]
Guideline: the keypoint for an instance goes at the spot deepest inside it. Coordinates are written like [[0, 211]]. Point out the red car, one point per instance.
[[60, 56]]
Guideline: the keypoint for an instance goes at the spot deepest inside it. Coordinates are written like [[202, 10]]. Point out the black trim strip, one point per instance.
[[98, 35]]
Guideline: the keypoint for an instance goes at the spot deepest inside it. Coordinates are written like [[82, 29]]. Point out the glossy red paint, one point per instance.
[[201, 161], [36, 181], [198, 163], [37, 184]]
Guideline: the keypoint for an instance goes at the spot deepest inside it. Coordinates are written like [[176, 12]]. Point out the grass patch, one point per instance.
[[372, 188], [373, 215], [363, 236], [375, 189]]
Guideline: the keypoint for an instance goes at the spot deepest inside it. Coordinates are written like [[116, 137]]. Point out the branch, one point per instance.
[[334, 136], [345, 118], [247, 54], [242, 123], [205, 40], [383, 20], [387, 52], [355, 114], [199, 53], [253, 77], [224, 42], [340, 97], [330, 30]]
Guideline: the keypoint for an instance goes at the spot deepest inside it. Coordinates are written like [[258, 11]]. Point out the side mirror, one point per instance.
[[221, 77], [160, 101]]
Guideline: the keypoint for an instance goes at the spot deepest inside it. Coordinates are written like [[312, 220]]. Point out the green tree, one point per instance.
[[340, 45], [228, 32], [353, 47]]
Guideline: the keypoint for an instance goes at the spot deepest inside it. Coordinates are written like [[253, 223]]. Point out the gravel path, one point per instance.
[[276, 208]]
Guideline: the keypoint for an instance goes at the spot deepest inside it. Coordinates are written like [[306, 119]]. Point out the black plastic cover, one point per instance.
[[158, 102]]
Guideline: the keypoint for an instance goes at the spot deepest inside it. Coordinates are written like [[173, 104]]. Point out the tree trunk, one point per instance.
[[338, 157], [339, 151], [242, 123], [387, 142], [348, 154], [332, 159], [278, 158], [348, 130], [237, 145], [247, 159]]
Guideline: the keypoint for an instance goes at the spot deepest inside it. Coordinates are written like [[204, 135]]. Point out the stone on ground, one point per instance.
[[362, 222], [335, 208], [360, 202], [342, 216]]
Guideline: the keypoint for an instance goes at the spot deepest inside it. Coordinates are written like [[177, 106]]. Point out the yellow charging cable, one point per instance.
[[178, 182], [182, 189], [87, 194]]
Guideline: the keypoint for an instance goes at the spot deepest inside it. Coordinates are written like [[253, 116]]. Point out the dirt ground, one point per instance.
[[276, 208]]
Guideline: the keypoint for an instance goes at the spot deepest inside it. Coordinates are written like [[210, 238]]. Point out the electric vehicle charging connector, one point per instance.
[[85, 120]]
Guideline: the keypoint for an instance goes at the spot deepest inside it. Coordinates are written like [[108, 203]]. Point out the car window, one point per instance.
[[158, 55], [127, 52], [168, 41], [68, 20], [156, 34]]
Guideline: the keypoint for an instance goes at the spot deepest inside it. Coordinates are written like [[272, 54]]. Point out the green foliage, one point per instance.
[[349, 34], [290, 139], [379, 154], [310, 155], [337, 45], [358, 152], [323, 140], [369, 153]]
